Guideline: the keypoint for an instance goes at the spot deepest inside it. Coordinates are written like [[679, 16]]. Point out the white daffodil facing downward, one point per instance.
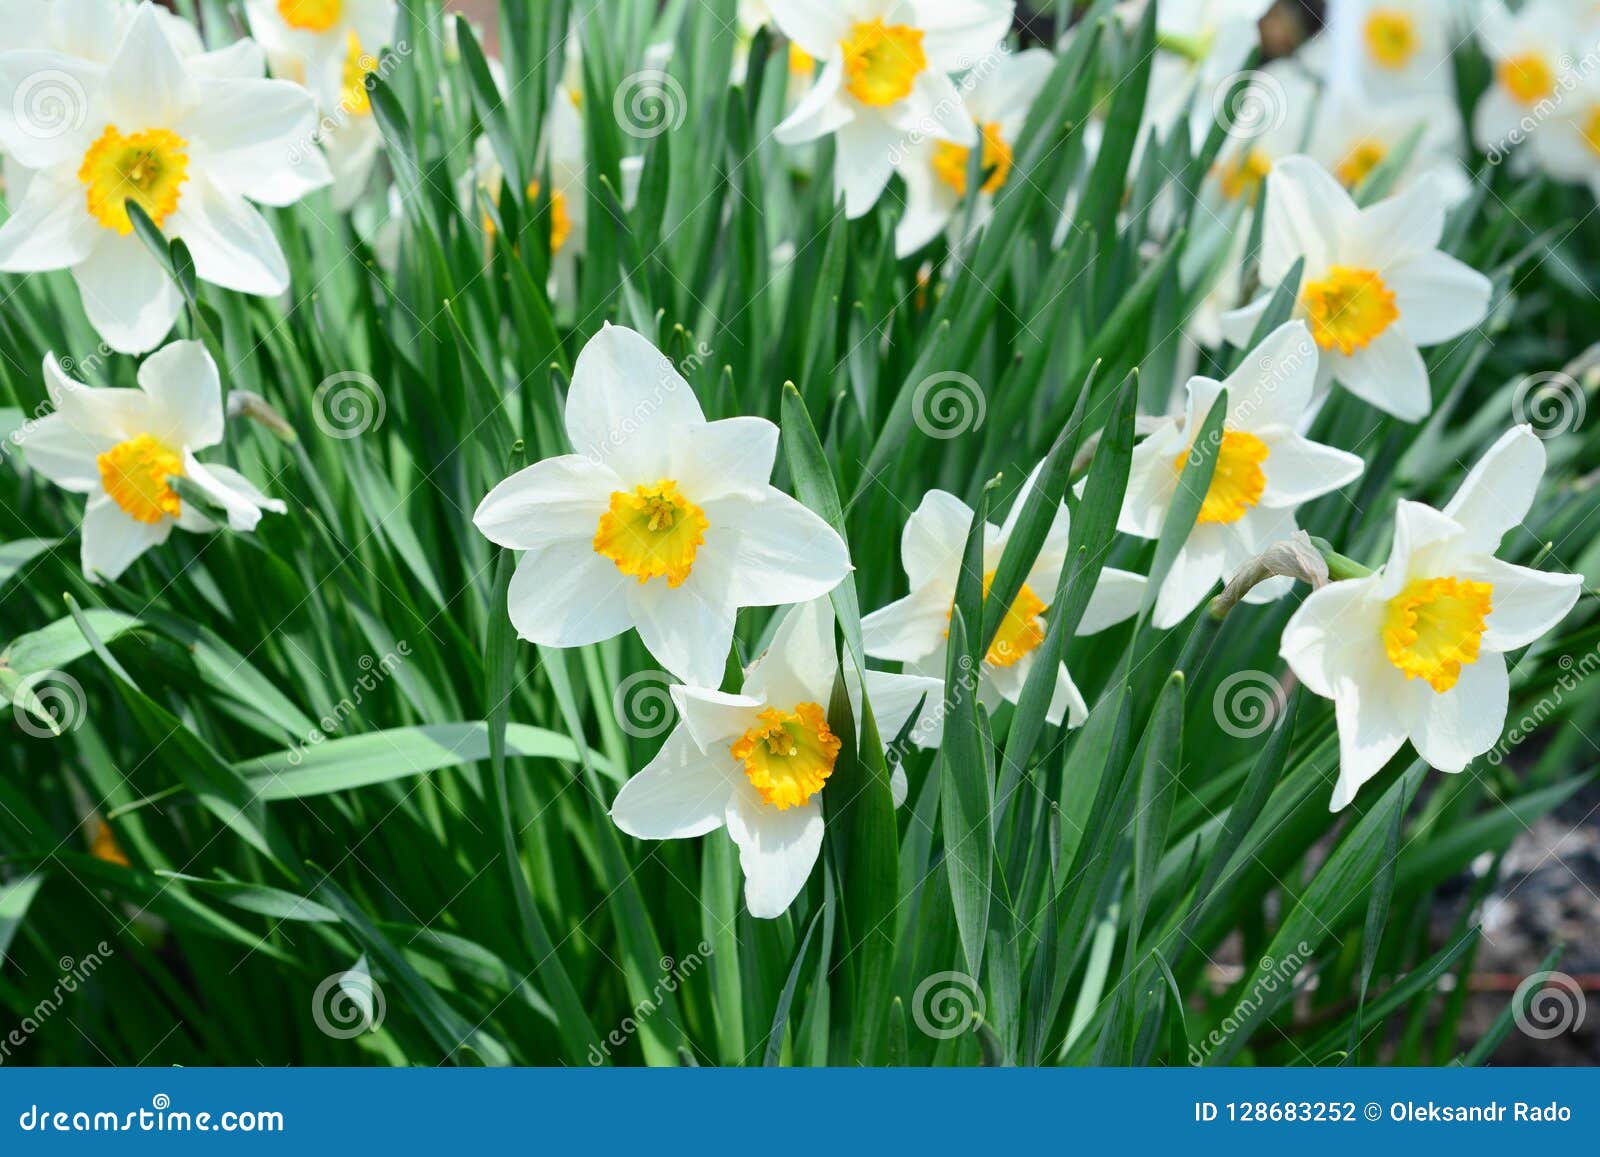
[[1417, 650], [915, 630], [186, 146], [1374, 286], [935, 172], [885, 80], [1264, 471], [759, 761], [122, 448], [330, 46], [661, 521]]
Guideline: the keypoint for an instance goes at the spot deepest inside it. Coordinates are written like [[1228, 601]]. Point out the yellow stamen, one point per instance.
[[1241, 176], [148, 168], [134, 473], [1348, 308], [950, 161], [310, 15], [1527, 76], [1434, 626], [560, 219], [1237, 481], [105, 846], [1021, 628], [353, 74], [882, 60], [651, 532], [788, 755], [1363, 157], [1391, 36]]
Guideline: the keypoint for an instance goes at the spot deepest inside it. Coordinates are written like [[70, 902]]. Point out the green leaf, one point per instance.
[[966, 800]]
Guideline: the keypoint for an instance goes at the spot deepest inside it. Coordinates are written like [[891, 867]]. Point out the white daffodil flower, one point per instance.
[[1417, 650], [87, 29], [759, 761], [1354, 133], [184, 144], [935, 172], [1204, 47], [1265, 470], [1388, 48], [661, 520], [1566, 143], [1374, 286], [1533, 51], [885, 81], [123, 447], [914, 630], [1271, 120], [330, 46]]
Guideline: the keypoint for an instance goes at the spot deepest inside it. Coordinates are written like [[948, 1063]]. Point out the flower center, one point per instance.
[[134, 474], [1241, 176], [1021, 630], [788, 755], [1363, 157], [147, 168], [950, 161], [1348, 308], [560, 219], [652, 531], [1527, 76], [1434, 626], [882, 60], [310, 15], [1391, 37], [353, 97], [1236, 482]]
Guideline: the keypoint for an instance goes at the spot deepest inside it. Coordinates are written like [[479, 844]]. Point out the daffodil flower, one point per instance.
[[914, 630], [760, 760], [1264, 471], [1374, 286], [885, 82], [330, 46], [1204, 46], [1354, 133], [123, 447], [935, 172], [1417, 649], [186, 146], [1532, 52], [1388, 49], [87, 29], [661, 520]]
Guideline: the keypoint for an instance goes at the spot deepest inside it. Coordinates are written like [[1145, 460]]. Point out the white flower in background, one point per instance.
[[885, 81], [915, 630], [1205, 45], [1287, 100], [759, 761], [935, 171], [1354, 133], [661, 521], [1417, 650], [88, 29], [186, 146], [1565, 143], [1388, 48], [1264, 471], [1374, 286], [1531, 52], [123, 447], [330, 46]]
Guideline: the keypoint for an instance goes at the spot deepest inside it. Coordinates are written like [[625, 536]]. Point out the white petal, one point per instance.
[[1306, 212], [1526, 603], [130, 301], [231, 490], [681, 793], [689, 630], [731, 456], [48, 103], [231, 242], [61, 453], [182, 382], [1406, 224], [894, 698], [1273, 384], [1197, 569], [255, 138], [1425, 544], [815, 25], [908, 629], [1298, 470], [49, 229], [957, 33], [114, 415], [112, 541], [1389, 373], [934, 537], [1328, 636], [563, 594], [1439, 298], [626, 401], [1499, 489], [1371, 730], [821, 110], [553, 500], [714, 719], [1451, 729], [1152, 481], [1066, 701], [934, 108], [864, 161], [1117, 597], [146, 81], [777, 850], [800, 665], [776, 550], [1239, 325]]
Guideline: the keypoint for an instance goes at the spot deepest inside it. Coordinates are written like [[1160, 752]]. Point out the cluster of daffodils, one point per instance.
[[117, 106]]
